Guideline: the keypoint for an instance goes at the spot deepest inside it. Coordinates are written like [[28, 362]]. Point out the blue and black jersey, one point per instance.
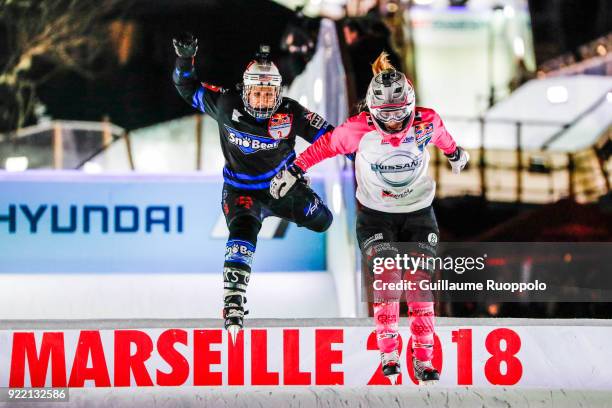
[[254, 150]]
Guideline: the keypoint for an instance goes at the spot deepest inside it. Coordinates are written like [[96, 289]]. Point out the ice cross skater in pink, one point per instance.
[[389, 139]]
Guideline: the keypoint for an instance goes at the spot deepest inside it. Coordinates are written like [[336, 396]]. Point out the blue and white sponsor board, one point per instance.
[[71, 222]]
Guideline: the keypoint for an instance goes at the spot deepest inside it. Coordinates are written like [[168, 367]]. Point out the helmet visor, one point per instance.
[[395, 115], [391, 113], [393, 121]]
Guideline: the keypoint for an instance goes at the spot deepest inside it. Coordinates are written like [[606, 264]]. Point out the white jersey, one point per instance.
[[392, 175], [393, 179]]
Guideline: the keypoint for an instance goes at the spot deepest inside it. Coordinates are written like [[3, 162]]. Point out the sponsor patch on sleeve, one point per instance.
[[423, 133], [315, 120]]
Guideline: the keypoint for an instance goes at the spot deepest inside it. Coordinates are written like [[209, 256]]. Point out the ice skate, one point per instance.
[[424, 372], [390, 365], [233, 313]]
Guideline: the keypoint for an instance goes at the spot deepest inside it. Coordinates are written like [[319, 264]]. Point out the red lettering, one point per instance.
[[178, 363], [259, 359], [514, 368], [90, 343], [235, 359], [203, 357], [52, 348], [291, 359], [325, 357], [126, 362], [463, 338]]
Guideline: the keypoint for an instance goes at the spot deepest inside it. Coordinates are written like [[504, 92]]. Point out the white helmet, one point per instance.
[[391, 98], [261, 72]]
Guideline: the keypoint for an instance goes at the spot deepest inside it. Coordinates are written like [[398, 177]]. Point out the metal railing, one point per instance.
[[520, 175], [593, 160], [63, 144]]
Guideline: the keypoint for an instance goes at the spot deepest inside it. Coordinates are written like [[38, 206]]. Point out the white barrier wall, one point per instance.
[[554, 354], [76, 245]]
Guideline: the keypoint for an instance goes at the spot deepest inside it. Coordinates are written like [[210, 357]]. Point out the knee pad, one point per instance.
[[240, 246], [418, 294], [387, 286], [244, 227], [383, 281]]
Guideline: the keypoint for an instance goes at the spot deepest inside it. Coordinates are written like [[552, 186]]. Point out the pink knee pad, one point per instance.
[[389, 278], [422, 321], [386, 316]]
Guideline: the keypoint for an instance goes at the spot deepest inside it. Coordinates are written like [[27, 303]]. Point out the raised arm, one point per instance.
[[201, 96]]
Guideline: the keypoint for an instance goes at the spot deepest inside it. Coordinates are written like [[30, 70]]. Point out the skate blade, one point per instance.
[[233, 331], [428, 383], [393, 378]]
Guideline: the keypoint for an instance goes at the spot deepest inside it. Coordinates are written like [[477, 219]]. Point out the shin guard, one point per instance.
[[386, 316], [422, 320]]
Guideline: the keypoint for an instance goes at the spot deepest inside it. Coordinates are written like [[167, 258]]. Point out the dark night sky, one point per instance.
[[229, 31], [141, 92], [561, 26]]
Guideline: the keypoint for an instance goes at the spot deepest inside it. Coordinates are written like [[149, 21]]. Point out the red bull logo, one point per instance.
[[279, 125], [423, 133]]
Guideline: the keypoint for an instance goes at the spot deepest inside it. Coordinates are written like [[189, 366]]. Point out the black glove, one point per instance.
[[185, 45], [454, 156]]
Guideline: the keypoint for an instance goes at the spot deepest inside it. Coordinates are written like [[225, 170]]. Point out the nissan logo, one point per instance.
[[397, 169]]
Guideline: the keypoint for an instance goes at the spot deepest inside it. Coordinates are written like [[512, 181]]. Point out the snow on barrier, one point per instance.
[[307, 362], [332, 397]]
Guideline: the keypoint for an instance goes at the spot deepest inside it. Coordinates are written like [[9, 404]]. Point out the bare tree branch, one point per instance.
[[62, 34]]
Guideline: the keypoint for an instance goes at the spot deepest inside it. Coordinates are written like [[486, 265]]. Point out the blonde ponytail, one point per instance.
[[382, 64]]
